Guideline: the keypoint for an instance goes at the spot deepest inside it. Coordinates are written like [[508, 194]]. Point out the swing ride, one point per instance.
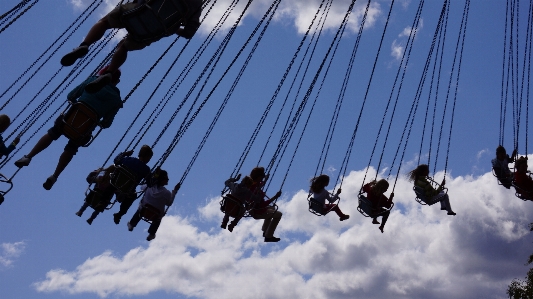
[[294, 101]]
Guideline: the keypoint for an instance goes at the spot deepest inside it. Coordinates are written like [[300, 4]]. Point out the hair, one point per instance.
[[320, 182], [163, 175], [417, 172], [520, 161], [380, 186], [247, 181], [116, 74], [5, 121], [257, 173], [146, 152], [500, 149]]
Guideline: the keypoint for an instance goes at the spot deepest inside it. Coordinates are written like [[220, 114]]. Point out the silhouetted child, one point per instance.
[[4, 124], [320, 194], [375, 193], [240, 192], [500, 165]]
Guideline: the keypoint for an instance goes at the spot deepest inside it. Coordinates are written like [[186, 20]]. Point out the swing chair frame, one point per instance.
[[150, 213], [236, 206], [421, 198], [499, 178], [4, 179], [97, 199], [78, 123], [124, 181], [520, 191], [151, 20], [365, 206], [318, 209]]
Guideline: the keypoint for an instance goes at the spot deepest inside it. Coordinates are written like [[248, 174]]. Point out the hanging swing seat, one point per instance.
[[421, 197], [501, 177], [98, 200], [123, 179], [232, 206], [79, 122], [4, 180], [154, 19], [150, 213], [318, 208], [522, 193], [366, 207]]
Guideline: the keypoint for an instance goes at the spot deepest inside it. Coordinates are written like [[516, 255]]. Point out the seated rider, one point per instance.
[[158, 197], [4, 124], [240, 191], [103, 193], [522, 180], [375, 194], [138, 167], [419, 177], [114, 20], [320, 194], [261, 207], [500, 165], [106, 103]]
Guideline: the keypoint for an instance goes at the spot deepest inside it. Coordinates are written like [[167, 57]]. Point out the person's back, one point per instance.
[[158, 197]]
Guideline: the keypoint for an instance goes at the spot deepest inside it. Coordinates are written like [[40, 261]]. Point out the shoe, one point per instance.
[[99, 83], [130, 227], [1, 198], [452, 213], [272, 239], [375, 221], [50, 181], [150, 237], [344, 217], [116, 218], [74, 55], [78, 213], [24, 161], [223, 225], [90, 221], [231, 226]]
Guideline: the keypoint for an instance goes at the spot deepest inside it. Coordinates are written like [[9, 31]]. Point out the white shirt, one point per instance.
[[158, 197]]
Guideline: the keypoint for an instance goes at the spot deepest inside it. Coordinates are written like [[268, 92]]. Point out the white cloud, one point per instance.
[[397, 50], [9, 252], [423, 253]]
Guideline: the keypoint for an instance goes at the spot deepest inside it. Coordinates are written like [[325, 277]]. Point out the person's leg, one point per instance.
[[134, 219], [446, 200], [338, 211], [126, 203], [64, 160], [85, 205], [225, 220], [273, 224], [119, 57], [97, 31], [41, 145], [384, 220], [154, 226]]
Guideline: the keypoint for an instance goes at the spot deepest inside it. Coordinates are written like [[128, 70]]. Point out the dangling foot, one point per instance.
[[381, 228], [99, 83], [24, 161], [79, 213], [375, 221], [116, 218], [74, 55], [344, 217], [231, 226], [1, 198], [452, 213], [223, 225], [90, 221], [50, 181], [150, 237], [130, 227], [272, 239]]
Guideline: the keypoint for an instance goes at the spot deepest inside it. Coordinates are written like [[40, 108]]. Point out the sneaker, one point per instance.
[[231, 226], [74, 55], [223, 225], [90, 221], [452, 213], [24, 161], [375, 221], [50, 181], [116, 218], [344, 217], [99, 83], [130, 227], [78, 213], [272, 239], [150, 237]]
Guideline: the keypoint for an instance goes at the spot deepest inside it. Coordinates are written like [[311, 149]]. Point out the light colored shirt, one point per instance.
[[158, 197], [323, 195]]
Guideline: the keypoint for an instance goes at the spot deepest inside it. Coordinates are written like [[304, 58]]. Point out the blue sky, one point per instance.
[[48, 252]]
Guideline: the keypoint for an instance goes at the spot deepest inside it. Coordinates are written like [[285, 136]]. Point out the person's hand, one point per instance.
[[278, 194], [266, 177], [177, 187], [16, 140], [238, 177], [443, 182], [128, 153], [339, 191], [391, 196], [515, 151]]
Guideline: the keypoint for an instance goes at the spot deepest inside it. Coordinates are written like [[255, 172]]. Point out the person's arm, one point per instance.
[[122, 155], [7, 150], [108, 118], [332, 198], [173, 195], [74, 94], [267, 202]]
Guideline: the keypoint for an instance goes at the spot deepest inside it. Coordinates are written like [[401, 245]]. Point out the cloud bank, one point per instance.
[[9, 252], [423, 253]]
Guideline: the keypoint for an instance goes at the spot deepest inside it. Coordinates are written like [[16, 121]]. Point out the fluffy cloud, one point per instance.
[[423, 253], [9, 252]]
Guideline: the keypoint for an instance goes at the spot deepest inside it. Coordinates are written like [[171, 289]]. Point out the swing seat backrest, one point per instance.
[[521, 193], [154, 19], [79, 121], [365, 206], [422, 199], [316, 207], [150, 213], [232, 205], [4, 180], [123, 179]]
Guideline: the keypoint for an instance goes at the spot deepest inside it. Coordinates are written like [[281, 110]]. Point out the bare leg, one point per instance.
[[119, 57], [64, 159], [43, 143], [97, 32]]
